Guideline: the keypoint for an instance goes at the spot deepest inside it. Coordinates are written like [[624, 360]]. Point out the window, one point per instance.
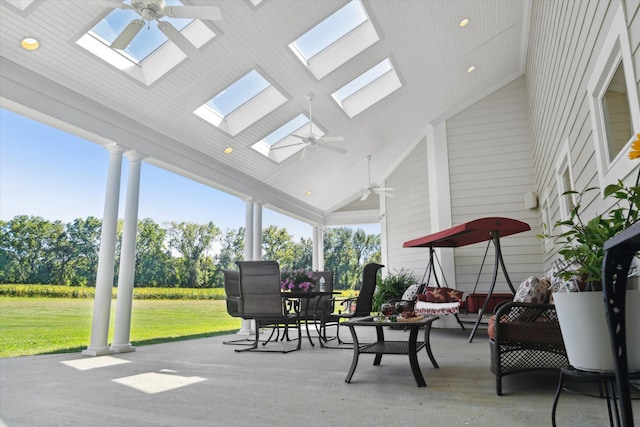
[[241, 104], [335, 40], [564, 179], [547, 226], [613, 101], [368, 88]]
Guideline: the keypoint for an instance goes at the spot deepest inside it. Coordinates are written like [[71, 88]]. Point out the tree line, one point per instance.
[[175, 254]]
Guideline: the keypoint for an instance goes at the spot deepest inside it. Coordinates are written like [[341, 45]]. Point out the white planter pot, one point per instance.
[[585, 333]]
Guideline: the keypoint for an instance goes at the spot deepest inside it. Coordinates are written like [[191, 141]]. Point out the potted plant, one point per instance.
[[392, 287], [581, 314]]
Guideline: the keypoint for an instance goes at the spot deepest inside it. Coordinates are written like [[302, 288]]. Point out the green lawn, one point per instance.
[[49, 325]]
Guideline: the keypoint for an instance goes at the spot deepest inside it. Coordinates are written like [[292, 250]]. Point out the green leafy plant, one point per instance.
[[392, 287], [582, 241]]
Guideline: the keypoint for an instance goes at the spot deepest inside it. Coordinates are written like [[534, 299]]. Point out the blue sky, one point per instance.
[[55, 175]]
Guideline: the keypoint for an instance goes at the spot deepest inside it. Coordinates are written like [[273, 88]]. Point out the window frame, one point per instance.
[[615, 50]]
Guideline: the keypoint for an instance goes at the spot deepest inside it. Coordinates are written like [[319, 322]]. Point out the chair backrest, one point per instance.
[[321, 305], [260, 289], [364, 303], [232, 290]]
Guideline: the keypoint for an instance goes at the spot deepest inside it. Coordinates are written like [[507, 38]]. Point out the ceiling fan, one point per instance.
[[374, 188], [154, 10], [311, 140]]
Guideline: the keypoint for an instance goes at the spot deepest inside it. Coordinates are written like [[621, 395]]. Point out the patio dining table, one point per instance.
[[298, 296]]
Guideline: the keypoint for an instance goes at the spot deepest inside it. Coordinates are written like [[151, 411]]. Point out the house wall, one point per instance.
[[408, 213], [565, 42], [490, 169], [490, 166]]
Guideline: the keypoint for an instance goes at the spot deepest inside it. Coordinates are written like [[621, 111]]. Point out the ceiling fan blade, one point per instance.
[[287, 146], [365, 196], [209, 13], [383, 189], [128, 34], [178, 39], [336, 149], [331, 138], [304, 151], [110, 3]]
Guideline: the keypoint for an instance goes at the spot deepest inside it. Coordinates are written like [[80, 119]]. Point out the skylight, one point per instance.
[[368, 88], [285, 141], [238, 93], [335, 40], [241, 104], [149, 56]]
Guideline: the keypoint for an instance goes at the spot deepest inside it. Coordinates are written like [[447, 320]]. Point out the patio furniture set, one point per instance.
[[253, 292]]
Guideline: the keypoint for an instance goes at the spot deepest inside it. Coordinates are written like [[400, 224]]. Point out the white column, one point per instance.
[[248, 326], [104, 276], [320, 248], [257, 231], [314, 249], [124, 302], [248, 231]]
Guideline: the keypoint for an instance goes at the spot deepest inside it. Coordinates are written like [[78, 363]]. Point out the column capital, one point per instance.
[[115, 148], [135, 156]]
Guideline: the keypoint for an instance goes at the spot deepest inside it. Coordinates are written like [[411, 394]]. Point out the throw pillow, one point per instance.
[[411, 292], [533, 290], [454, 295], [435, 294]]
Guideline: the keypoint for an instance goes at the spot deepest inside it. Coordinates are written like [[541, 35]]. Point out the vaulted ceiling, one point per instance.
[[66, 85]]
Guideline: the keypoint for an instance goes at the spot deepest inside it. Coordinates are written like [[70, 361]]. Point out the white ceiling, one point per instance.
[[429, 51]]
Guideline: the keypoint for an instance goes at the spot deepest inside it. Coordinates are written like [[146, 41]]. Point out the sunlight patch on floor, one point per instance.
[[94, 362], [153, 382]]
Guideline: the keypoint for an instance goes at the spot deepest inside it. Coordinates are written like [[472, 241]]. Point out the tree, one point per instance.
[[341, 257], [231, 250], [278, 245], [84, 237], [152, 256], [27, 244], [191, 241]]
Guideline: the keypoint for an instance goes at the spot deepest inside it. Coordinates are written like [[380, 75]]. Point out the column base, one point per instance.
[[97, 351], [248, 327], [122, 348]]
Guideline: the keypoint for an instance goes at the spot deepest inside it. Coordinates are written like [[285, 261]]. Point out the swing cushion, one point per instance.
[[440, 295]]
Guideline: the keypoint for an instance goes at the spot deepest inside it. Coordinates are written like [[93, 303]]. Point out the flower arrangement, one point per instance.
[[582, 241], [297, 280]]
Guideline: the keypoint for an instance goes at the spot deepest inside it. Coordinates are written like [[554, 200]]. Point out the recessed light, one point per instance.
[[228, 150], [464, 22], [471, 68], [29, 43], [308, 193]]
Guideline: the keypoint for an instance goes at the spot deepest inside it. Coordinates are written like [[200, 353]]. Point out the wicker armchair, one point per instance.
[[525, 337]]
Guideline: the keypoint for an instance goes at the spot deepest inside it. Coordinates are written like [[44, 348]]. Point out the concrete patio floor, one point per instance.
[[205, 383]]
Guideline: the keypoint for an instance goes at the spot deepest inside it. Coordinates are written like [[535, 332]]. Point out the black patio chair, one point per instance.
[[232, 291], [260, 300], [363, 305]]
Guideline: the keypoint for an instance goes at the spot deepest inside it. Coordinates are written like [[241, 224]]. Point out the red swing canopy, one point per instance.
[[478, 230]]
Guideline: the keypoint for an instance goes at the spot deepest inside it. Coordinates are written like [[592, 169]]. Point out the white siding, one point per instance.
[[565, 41], [490, 164], [408, 212]]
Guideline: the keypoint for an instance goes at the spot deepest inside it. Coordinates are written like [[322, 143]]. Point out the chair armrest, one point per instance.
[[527, 322]]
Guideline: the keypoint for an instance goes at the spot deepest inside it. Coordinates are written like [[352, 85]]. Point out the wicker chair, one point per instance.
[[525, 337], [260, 299]]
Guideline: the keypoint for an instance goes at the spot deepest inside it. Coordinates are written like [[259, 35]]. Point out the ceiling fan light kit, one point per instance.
[[311, 140], [154, 10], [374, 188]]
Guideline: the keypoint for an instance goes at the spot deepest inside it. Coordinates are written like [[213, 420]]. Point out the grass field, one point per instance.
[[54, 325]]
